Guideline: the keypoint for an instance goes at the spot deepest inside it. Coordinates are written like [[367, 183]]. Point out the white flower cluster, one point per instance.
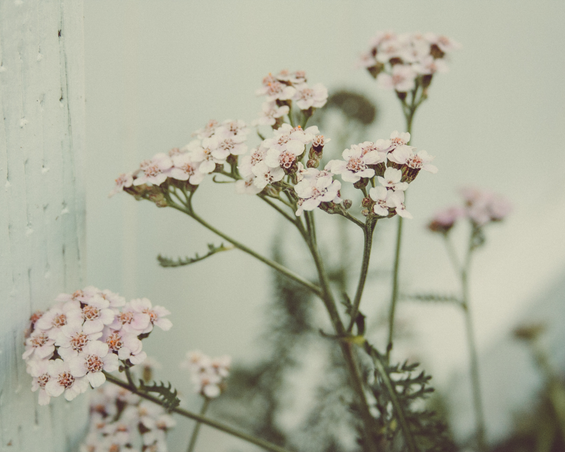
[[68, 347], [215, 144], [481, 208], [286, 89], [275, 158], [117, 416], [392, 162], [400, 61], [287, 160], [209, 375]]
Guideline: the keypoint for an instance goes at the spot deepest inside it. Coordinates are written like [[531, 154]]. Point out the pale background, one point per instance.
[[157, 71]]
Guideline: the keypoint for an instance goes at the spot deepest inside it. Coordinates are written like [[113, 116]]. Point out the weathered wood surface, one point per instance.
[[42, 203]]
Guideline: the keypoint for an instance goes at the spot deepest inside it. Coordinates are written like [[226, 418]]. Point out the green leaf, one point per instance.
[[168, 395], [432, 297], [212, 249]]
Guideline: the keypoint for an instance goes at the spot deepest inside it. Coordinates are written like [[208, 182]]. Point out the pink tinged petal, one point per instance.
[[400, 155], [381, 211], [372, 157], [311, 204], [404, 213], [107, 316], [77, 366], [139, 358], [97, 348], [295, 146], [53, 388], [430, 168], [159, 179], [164, 324], [93, 326], [72, 392], [124, 353], [211, 391], [207, 166], [67, 353], [177, 173], [111, 363], [140, 321], [349, 176], [96, 379], [45, 352], [161, 311], [43, 398]]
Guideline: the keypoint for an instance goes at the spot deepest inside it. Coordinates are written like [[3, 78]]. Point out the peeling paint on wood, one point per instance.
[[42, 202]]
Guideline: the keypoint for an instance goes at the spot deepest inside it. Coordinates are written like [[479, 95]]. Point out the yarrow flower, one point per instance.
[[315, 188], [481, 207], [285, 90], [83, 335], [208, 375], [121, 421], [402, 62], [391, 163]]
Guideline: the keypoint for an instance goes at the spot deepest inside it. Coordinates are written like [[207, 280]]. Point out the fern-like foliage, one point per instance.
[[399, 391], [166, 393], [212, 249], [432, 297]]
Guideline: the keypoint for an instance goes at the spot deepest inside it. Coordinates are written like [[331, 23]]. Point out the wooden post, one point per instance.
[[42, 199]]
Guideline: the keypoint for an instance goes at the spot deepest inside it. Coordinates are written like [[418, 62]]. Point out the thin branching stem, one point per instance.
[[280, 268], [367, 247], [471, 342], [196, 430], [278, 209], [348, 352], [202, 419], [452, 254], [394, 295], [409, 116]]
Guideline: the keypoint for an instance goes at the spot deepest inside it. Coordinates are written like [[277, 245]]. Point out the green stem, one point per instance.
[[409, 117], [278, 209], [356, 378], [394, 295], [129, 377], [452, 254], [204, 420], [194, 435], [280, 268], [367, 246], [473, 355]]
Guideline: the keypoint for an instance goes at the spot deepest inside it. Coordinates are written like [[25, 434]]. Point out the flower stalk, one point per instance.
[[196, 430]]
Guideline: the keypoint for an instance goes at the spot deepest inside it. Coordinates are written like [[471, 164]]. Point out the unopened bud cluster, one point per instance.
[[86, 333]]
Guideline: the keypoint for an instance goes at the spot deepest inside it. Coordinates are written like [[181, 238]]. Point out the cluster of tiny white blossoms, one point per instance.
[[208, 374], [287, 159], [481, 207], [215, 144], [120, 420], [285, 90], [391, 163], [84, 334], [402, 61]]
